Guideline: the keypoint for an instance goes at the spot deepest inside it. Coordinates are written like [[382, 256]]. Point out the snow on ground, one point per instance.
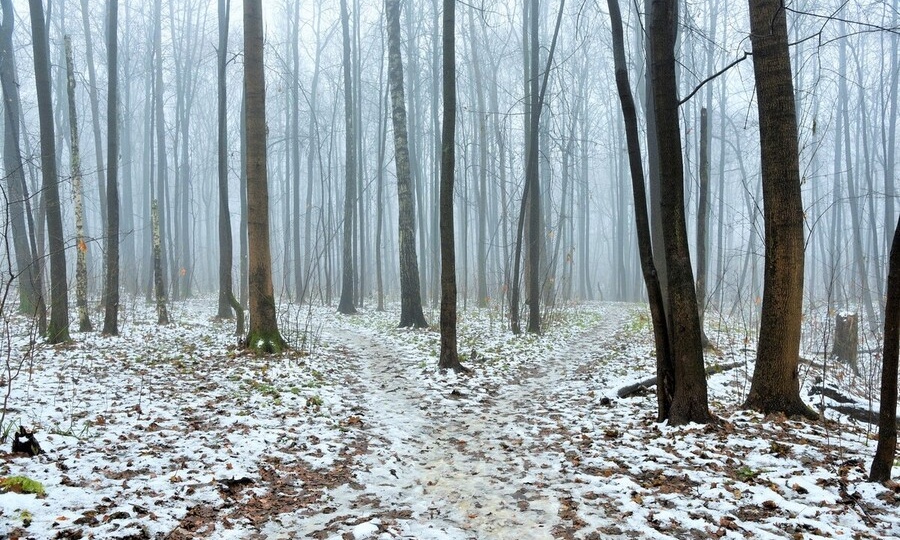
[[169, 432]]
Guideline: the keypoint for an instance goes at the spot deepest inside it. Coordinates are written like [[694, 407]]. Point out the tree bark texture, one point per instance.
[[263, 334], [58, 328], [111, 290], [411, 314], [776, 383], [703, 216], [226, 248], [664, 369], [31, 301], [159, 277], [449, 358], [689, 399], [81, 273], [347, 305], [887, 414]]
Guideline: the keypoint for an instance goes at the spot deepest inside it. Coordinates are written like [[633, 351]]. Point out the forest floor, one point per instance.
[[170, 432]]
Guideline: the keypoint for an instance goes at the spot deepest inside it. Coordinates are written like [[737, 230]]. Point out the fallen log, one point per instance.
[[847, 405], [650, 382]]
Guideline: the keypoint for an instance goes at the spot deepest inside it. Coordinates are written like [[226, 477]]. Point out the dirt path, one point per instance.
[[479, 458]]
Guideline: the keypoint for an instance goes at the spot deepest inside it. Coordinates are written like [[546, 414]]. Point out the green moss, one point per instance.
[[269, 342], [22, 484]]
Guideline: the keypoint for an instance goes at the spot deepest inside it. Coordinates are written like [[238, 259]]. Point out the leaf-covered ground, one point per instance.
[[169, 432]]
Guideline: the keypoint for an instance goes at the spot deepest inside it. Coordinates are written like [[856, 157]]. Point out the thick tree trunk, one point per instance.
[[81, 273], [411, 314], [263, 335], [689, 399], [111, 287], [449, 359], [58, 328], [887, 416], [776, 383], [347, 305], [664, 369]]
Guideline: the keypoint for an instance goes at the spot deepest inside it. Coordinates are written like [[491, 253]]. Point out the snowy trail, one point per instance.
[[478, 462]]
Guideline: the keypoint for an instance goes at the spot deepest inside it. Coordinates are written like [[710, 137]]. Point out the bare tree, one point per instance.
[[347, 305], [642, 221], [31, 300], [58, 328], [411, 314], [449, 358], [887, 418], [226, 295], [111, 294], [263, 335], [689, 402], [776, 382], [81, 271]]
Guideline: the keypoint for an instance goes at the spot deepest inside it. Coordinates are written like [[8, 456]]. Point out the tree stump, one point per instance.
[[846, 339]]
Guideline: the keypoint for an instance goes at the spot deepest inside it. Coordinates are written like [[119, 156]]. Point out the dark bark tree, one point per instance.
[[664, 370], [535, 231], [689, 397], [347, 305], [263, 335], [81, 271], [111, 291], [887, 415], [225, 241], [58, 327], [31, 301], [776, 383], [449, 358], [411, 314]]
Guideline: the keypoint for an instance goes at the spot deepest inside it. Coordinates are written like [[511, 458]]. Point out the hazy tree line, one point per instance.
[[377, 166]]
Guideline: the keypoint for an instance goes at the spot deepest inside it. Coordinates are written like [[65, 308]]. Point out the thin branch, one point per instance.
[[714, 76]]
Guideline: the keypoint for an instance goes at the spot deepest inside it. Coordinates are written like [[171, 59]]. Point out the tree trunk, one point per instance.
[[58, 328], [703, 218], [31, 300], [411, 314], [449, 359], [846, 339], [776, 383], [346, 305], [225, 240], [111, 289], [244, 226], [379, 186], [531, 192], [81, 285], [887, 416], [664, 369], [95, 115], [159, 283], [689, 399], [299, 286], [263, 335]]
